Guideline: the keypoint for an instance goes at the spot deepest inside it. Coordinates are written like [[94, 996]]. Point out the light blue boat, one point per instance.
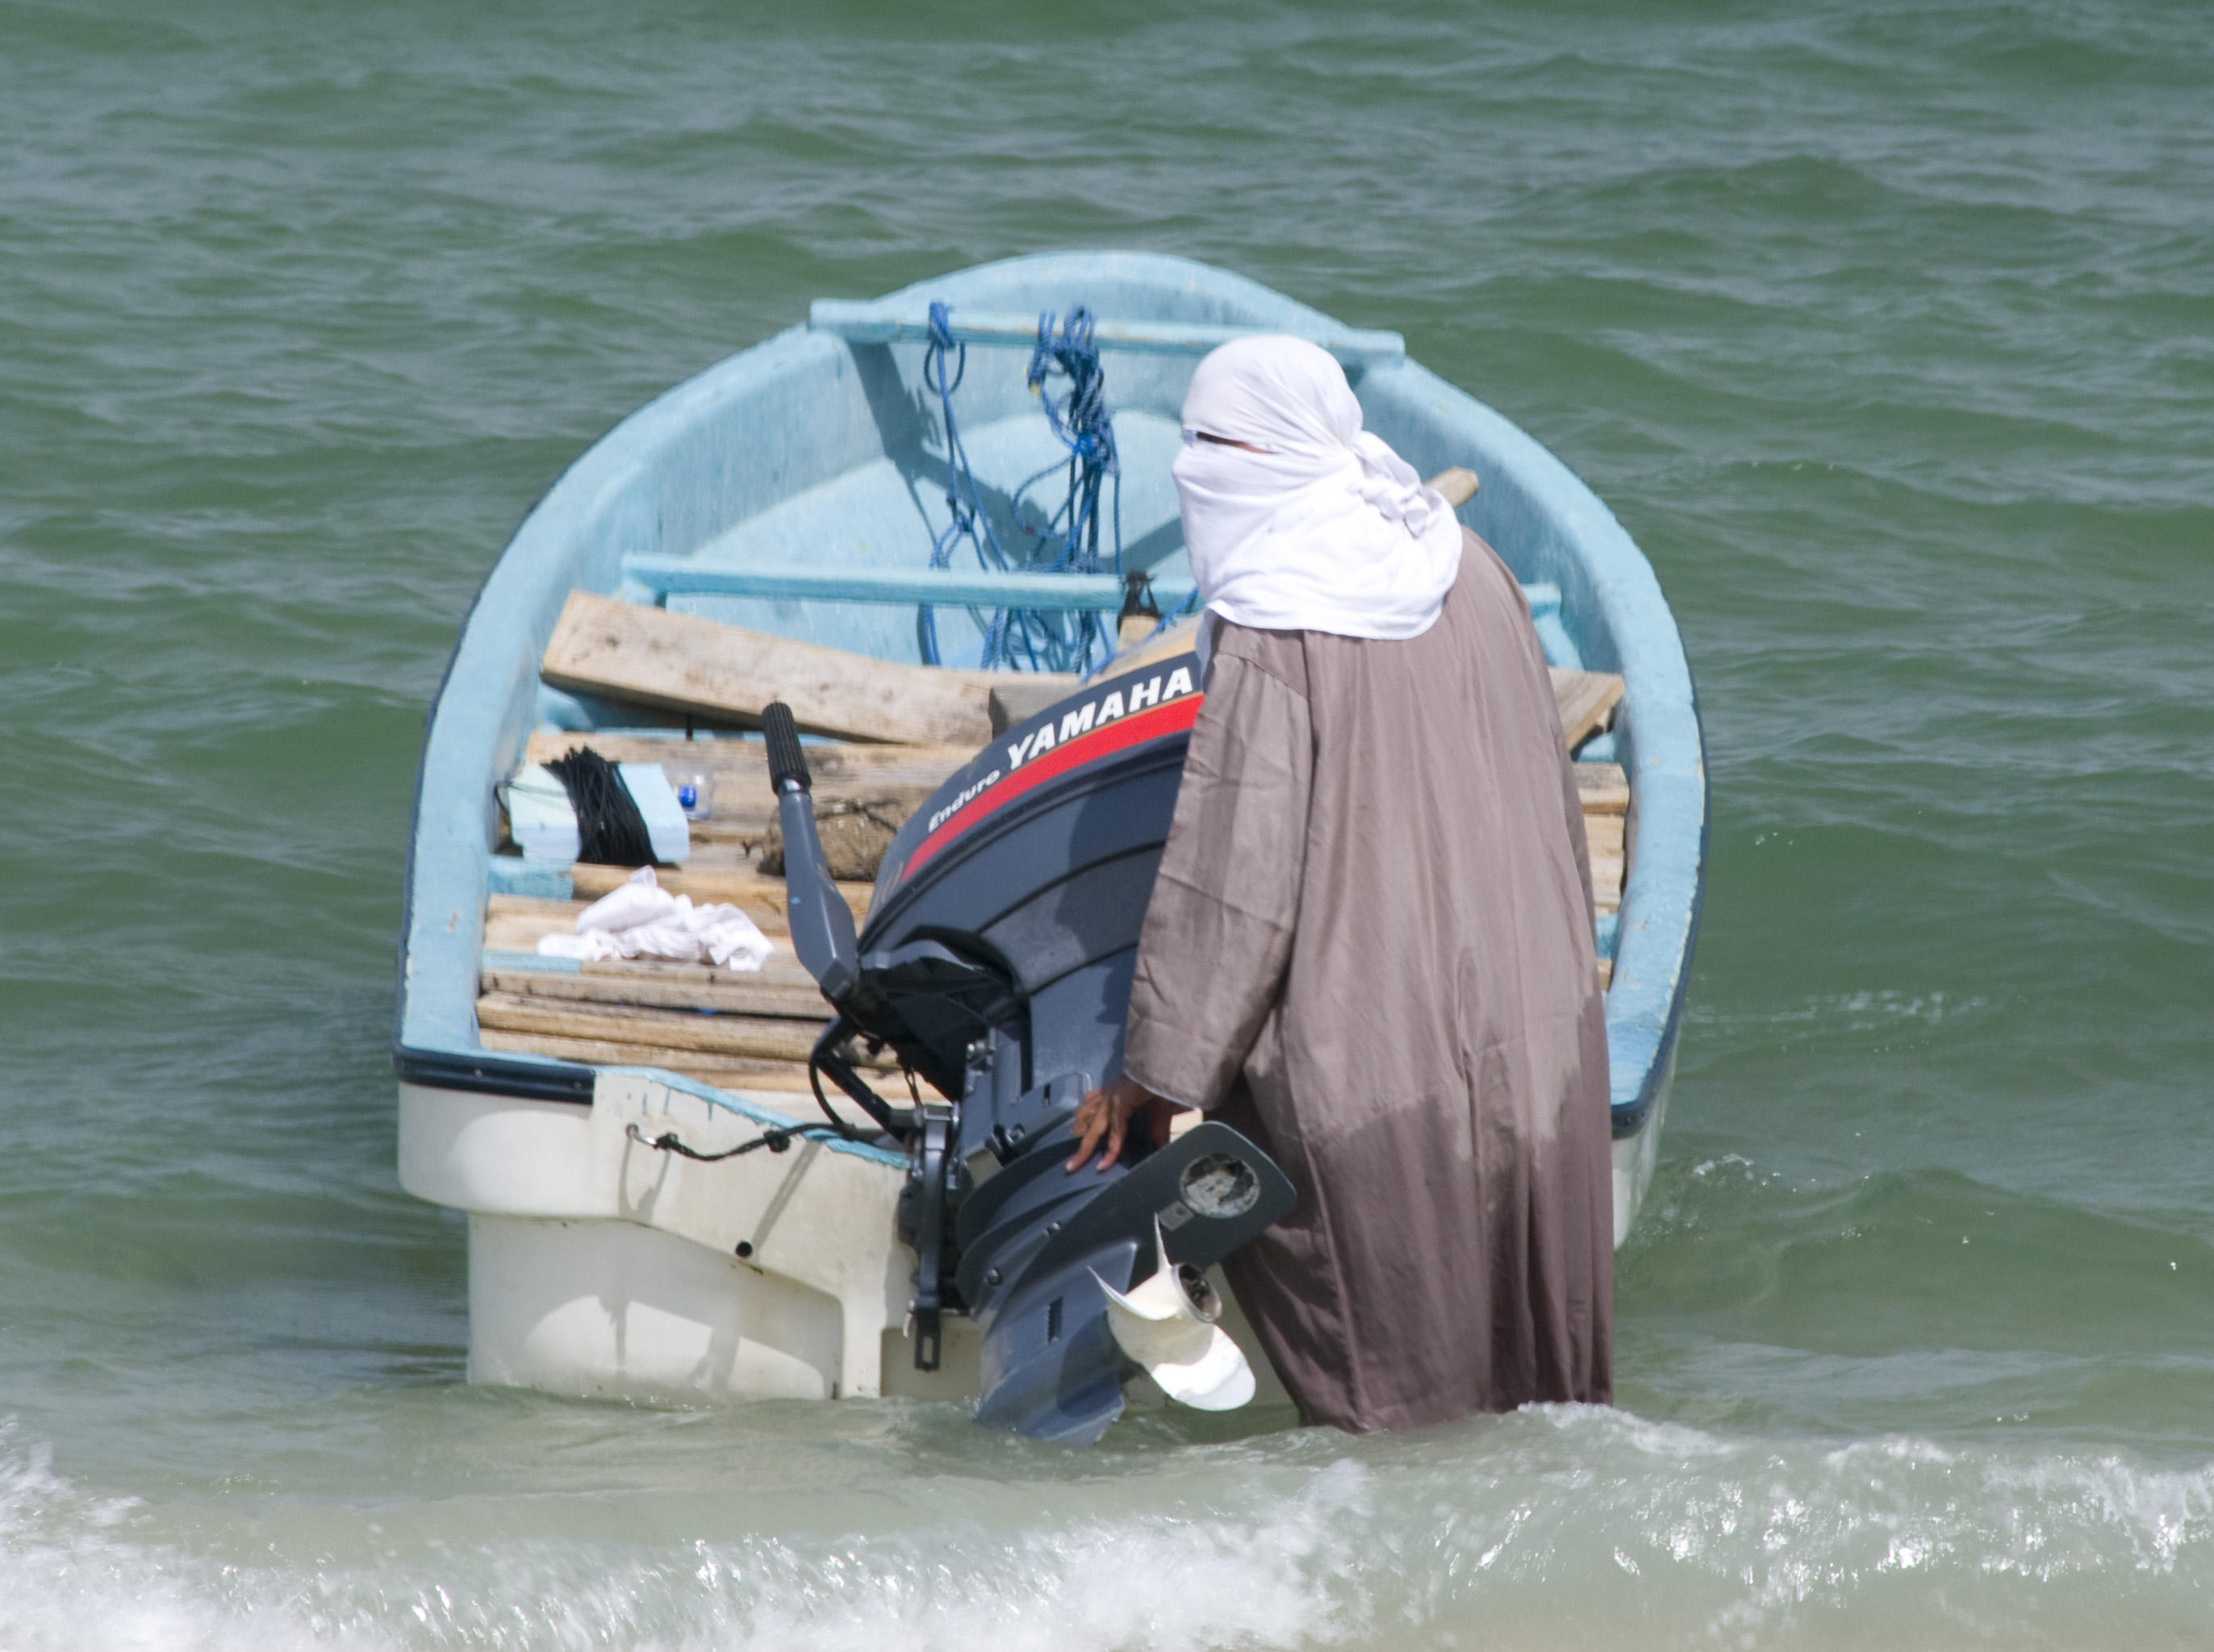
[[799, 488]]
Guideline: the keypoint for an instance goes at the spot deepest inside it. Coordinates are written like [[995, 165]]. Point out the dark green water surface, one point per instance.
[[1887, 330]]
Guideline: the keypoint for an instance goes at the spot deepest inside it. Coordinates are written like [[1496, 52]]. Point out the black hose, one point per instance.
[[814, 1080], [776, 1140]]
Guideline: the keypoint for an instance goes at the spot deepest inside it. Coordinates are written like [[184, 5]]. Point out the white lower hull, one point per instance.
[[1635, 1156], [619, 1310], [601, 1266]]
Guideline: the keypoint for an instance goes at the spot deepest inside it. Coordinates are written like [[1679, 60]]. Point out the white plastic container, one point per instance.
[[696, 793]]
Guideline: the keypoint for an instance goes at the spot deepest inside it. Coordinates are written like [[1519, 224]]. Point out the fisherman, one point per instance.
[[1370, 946]]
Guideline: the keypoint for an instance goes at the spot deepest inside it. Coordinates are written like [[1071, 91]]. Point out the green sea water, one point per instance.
[[1887, 330]]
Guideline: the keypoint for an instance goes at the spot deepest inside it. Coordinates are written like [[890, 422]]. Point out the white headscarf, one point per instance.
[[1327, 529]]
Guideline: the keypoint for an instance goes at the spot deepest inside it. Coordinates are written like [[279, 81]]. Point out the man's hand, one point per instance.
[[1105, 1114]]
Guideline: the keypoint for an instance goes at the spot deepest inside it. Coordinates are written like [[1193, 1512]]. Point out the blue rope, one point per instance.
[[1177, 615], [1083, 425], [964, 508], [1038, 640]]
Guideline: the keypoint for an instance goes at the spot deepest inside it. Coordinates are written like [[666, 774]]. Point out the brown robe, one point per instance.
[[1370, 948]]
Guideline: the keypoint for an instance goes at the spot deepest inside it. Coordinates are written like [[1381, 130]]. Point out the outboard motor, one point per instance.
[[996, 966]]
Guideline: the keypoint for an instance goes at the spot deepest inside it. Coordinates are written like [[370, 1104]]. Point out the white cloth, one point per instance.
[[1327, 529], [642, 919]]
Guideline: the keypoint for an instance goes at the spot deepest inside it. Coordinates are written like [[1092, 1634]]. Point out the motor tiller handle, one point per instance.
[[787, 761], [822, 923]]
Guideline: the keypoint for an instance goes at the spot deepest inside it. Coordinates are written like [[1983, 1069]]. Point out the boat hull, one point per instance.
[[599, 1267]]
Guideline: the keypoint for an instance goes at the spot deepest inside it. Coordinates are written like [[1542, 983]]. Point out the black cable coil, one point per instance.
[[610, 831]]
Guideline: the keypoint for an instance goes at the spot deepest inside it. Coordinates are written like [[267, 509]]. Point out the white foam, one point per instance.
[[1563, 1524]]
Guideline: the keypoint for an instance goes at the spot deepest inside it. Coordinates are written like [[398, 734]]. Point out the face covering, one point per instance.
[[1326, 529]]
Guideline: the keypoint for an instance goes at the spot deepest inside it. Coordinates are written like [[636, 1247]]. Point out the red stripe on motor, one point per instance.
[[1178, 715]]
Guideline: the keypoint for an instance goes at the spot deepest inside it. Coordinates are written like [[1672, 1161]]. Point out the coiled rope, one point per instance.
[[1025, 638]]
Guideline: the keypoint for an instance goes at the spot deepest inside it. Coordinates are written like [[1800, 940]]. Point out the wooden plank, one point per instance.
[[611, 1052], [603, 646], [1602, 788], [897, 777], [1458, 484], [738, 829], [1585, 700], [1018, 696], [836, 767], [791, 1040], [514, 923], [731, 995], [1603, 836], [724, 1072], [1606, 885], [533, 904], [782, 970], [754, 893]]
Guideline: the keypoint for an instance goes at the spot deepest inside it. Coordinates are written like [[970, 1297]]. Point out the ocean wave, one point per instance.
[[1556, 1525]]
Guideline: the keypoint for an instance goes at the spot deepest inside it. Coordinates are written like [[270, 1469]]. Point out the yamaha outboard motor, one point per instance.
[[996, 966]]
